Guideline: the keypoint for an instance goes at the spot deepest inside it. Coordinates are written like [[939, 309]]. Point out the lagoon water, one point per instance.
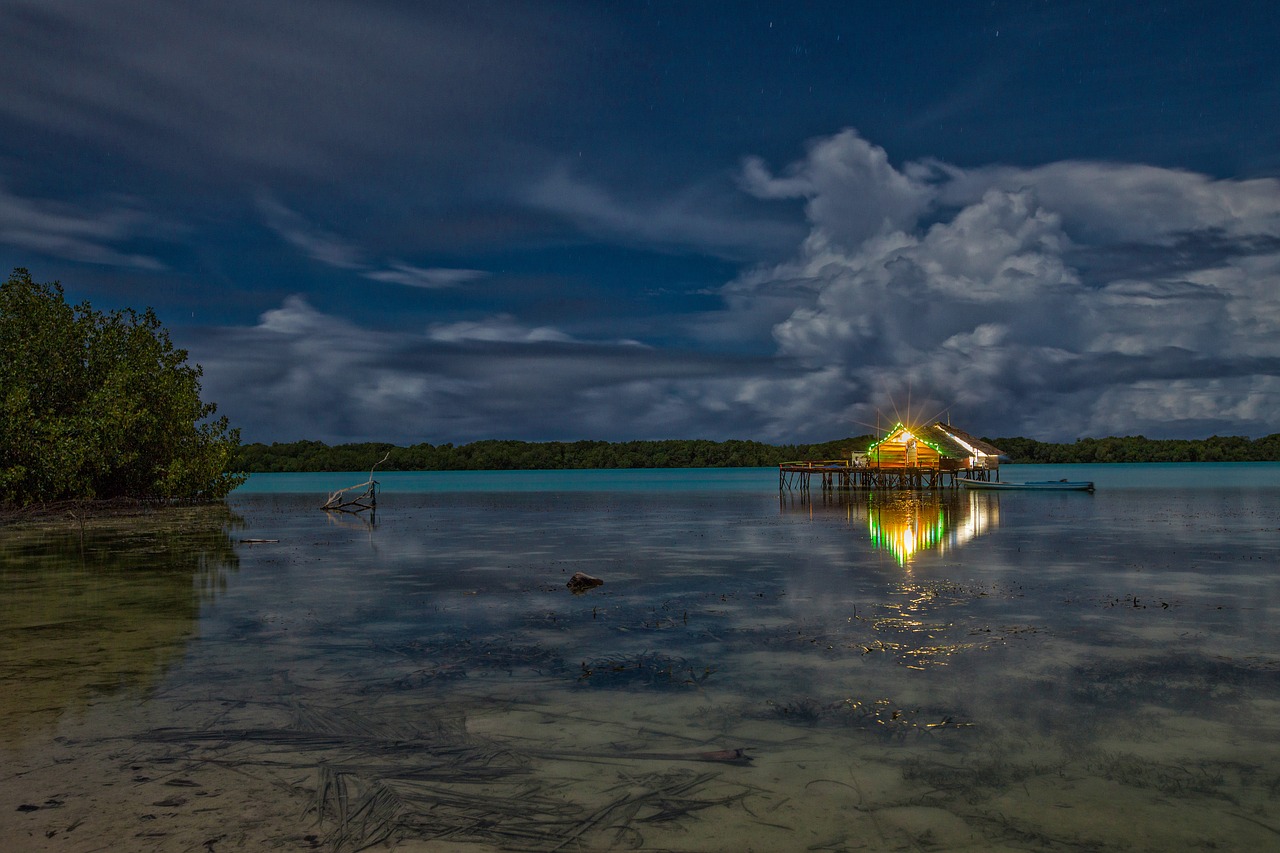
[[759, 671]]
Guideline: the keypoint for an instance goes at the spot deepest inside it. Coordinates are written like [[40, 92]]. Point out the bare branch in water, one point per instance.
[[366, 500]]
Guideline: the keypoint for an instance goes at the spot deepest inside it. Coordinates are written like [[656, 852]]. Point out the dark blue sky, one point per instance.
[[562, 220]]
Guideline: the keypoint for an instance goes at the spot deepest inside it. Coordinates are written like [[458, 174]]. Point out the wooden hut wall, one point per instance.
[[893, 454], [926, 456]]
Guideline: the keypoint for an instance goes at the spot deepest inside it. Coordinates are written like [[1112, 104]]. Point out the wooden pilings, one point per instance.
[[843, 476]]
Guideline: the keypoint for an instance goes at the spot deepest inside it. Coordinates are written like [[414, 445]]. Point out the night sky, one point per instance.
[[431, 221]]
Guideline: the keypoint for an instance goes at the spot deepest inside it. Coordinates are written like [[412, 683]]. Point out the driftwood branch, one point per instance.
[[367, 498]]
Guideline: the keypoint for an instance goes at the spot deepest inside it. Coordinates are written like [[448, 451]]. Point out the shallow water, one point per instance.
[[958, 672]]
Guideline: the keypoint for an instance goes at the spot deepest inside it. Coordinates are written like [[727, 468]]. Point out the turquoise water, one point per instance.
[[1167, 475], [621, 480], [1170, 475], [758, 671]]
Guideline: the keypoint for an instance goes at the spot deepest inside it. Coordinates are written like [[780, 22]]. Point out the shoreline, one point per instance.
[[80, 510]]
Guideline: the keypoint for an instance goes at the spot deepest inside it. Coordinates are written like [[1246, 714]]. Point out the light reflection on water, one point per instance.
[[959, 671], [904, 523]]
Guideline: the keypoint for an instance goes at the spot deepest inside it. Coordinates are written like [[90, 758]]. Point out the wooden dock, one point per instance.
[[845, 475]]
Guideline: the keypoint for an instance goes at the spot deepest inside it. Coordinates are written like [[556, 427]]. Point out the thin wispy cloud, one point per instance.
[[337, 252], [695, 218], [294, 88], [430, 278], [95, 235], [315, 243]]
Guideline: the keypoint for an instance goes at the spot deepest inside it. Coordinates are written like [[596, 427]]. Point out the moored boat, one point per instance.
[[1042, 485]]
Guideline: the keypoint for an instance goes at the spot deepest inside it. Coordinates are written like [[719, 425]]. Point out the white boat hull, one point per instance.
[[1042, 485]]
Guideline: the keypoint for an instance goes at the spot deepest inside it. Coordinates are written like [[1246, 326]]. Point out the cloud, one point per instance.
[[66, 231], [430, 278], [1036, 301], [503, 328], [1125, 202], [852, 192], [696, 218], [299, 372], [296, 317], [317, 244], [316, 89], [1019, 302], [339, 253]]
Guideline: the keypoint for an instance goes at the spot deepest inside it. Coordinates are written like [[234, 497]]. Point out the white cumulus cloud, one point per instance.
[[1069, 299]]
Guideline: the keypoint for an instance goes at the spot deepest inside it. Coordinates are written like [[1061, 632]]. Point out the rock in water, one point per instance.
[[581, 582]]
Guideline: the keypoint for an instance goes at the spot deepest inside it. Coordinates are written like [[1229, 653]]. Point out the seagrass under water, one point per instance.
[[937, 672]]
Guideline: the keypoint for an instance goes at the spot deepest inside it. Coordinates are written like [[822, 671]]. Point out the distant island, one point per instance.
[[499, 455]]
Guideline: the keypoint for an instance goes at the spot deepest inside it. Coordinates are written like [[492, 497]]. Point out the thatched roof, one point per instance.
[[944, 442], [972, 441]]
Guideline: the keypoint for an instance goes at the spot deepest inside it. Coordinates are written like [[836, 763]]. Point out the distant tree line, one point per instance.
[[498, 455], [1137, 448], [524, 455]]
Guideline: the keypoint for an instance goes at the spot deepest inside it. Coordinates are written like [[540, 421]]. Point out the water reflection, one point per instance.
[[908, 523], [362, 522], [100, 608], [445, 688]]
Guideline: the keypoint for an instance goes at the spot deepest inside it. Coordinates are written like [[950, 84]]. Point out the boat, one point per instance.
[[1042, 485]]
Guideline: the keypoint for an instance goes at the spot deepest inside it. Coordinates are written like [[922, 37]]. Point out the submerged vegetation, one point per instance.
[[299, 456], [105, 605], [97, 406], [412, 771]]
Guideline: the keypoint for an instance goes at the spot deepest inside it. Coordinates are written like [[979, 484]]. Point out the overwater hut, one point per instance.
[[907, 457], [939, 446]]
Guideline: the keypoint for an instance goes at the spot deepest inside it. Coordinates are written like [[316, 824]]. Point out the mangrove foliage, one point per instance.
[[98, 405]]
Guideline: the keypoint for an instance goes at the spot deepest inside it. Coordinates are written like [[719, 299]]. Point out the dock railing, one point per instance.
[[817, 464]]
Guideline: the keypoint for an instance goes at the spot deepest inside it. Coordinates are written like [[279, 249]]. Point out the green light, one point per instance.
[[905, 537]]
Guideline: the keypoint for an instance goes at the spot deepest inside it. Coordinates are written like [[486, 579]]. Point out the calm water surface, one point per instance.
[[967, 671]]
